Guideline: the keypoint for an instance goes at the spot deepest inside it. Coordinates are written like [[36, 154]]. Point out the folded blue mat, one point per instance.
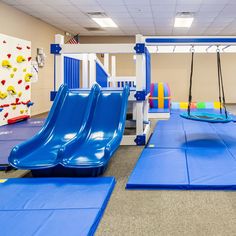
[[53, 206], [162, 168], [194, 156]]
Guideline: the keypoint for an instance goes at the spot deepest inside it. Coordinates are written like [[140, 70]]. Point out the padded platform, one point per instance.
[[190, 155], [53, 206], [12, 135]]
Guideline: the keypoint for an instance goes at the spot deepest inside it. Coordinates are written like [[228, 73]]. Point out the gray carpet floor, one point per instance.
[[131, 212]]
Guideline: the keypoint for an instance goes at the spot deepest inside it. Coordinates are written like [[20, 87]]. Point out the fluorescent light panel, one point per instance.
[[183, 22], [105, 22]]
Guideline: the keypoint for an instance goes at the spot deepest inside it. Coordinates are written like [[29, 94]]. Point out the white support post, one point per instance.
[[59, 63], [140, 76], [85, 71], [106, 62], [113, 70], [92, 69]]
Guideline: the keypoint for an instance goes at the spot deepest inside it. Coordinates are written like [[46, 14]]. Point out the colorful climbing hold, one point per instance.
[[20, 81], [21, 111], [29, 104], [12, 75], [14, 107], [20, 59], [19, 94], [29, 58], [9, 55], [28, 76], [4, 41], [28, 47], [3, 82], [24, 70], [6, 64], [6, 115], [27, 87], [17, 100], [15, 69], [11, 90], [3, 95], [18, 47]]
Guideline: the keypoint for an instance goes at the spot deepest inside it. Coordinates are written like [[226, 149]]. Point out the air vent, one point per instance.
[[185, 14], [96, 14], [93, 29]]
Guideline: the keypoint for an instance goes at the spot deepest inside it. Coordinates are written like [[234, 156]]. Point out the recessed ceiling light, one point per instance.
[[183, 22], [105, 22]]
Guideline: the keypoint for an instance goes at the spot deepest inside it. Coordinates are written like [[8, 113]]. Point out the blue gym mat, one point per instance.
[[186, 154], [12, 135], [53, 206]]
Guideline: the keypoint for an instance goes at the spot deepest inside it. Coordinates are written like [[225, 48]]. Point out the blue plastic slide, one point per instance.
[[83, 130]]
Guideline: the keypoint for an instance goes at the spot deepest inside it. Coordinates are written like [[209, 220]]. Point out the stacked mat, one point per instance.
[[186, 154], [12, 135], [53, 206]]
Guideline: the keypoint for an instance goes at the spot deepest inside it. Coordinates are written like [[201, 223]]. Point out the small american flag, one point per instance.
[[73, 40]]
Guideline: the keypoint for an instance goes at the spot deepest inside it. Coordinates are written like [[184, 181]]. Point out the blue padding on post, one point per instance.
[[57, 206], [164, 169], [101, 76], [72, 72]]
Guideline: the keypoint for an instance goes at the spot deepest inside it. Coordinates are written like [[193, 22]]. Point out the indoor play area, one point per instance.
[[117, 117]]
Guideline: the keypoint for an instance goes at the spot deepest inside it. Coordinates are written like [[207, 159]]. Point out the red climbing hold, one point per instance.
[[29, 58], [6, 115], [17, 100], [27, 87], [20, 81], [28, 47], [5, 105], [3, 82], [19, 48], [9, 55]]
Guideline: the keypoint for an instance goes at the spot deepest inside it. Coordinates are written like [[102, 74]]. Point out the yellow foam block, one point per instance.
[[217, 105], [183, 105]]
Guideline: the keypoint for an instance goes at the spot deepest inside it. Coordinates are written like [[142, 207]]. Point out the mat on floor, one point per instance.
[[53, 206], [190, 155], [11, 135]]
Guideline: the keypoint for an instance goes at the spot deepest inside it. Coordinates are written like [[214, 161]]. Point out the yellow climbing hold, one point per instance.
[[11, 89], [24, 70], [15, 69], [21, 111], [26, 111], [19, 94], [14, 107], [12, 75], [28, 76], [6, 64], [3, 95], [20, 59]]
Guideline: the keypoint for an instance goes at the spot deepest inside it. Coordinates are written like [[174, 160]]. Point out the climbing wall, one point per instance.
[[15, 75]]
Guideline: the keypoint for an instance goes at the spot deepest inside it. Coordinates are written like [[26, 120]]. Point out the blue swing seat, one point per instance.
[[207, 117]]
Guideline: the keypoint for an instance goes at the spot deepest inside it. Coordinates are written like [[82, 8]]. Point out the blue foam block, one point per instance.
[[159, 169], [167, 139], [211, 168], [53, 206], [159, 110]]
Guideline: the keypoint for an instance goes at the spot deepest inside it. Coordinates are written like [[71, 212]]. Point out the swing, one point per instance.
[[222, 117]]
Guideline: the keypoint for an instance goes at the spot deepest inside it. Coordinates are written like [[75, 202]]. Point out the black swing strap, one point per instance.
[[190, 83], [221, 84]]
